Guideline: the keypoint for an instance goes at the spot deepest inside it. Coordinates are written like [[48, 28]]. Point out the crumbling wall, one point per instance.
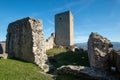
[[3, 50], [49, 43], [25, 41], [98, 51], [2, 47], [101, 54]]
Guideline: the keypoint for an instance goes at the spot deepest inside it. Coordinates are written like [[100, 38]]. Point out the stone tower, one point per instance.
[[64, 29]]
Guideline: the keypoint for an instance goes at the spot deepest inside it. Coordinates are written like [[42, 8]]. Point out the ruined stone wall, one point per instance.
[[49, 43], [98, 51], [64, 29], [101, 54], [25, 41], [2, 47], [3, 50]]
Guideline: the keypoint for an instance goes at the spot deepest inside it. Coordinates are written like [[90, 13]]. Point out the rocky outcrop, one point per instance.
[[25, 41], [101, 54], [85, 71], [98, 51]]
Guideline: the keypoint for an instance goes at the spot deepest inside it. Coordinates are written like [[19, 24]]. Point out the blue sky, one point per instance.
[[101, 16]]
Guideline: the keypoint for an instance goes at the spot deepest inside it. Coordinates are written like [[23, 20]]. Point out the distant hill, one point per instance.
[[82, 45], [2, 41], [116, 45]]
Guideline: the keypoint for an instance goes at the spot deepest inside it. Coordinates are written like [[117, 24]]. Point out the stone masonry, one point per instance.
[[3, 50], [2, 47], [25, 41], [101, 54], [103, 60], [64, 32], [98, 51], [49, 43]]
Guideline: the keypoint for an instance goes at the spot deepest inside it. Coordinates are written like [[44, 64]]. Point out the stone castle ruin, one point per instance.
[[98, 51], [25, 41], [64, 29], [103, 60], [101, 54], [2, 47], [3, 50], [49, 43]]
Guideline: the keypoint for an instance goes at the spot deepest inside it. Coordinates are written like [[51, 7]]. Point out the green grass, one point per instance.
[[18, 70], [62, 57], [55, 51]]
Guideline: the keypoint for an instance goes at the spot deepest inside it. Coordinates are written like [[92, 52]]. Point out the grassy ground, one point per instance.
[[62, 57], [55, 51], [17, 70]]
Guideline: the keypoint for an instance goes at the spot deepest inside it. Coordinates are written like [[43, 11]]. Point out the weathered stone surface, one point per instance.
[[49, 43], [99, 49], [85, 71], [25, 41], [64, 29], [118, 61], [113, 59], [3, 50], [2, 47], [4, 56], [72, 48]]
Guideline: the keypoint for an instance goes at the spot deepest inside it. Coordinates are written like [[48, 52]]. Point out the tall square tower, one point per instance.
[[64, 29]]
